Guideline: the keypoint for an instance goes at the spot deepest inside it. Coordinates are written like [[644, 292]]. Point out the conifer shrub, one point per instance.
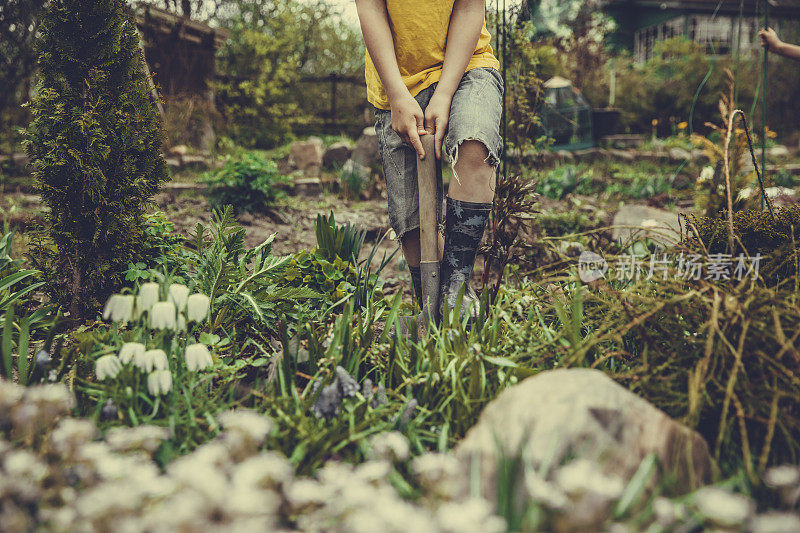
[[94, 142]]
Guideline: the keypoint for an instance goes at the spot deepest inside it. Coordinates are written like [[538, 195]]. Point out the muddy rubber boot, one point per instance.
[[464, 226]]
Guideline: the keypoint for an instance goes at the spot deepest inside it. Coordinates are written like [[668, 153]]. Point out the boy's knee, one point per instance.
[[473, 156]]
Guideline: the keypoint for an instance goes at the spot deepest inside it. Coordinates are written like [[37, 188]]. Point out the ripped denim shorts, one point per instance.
[[475, 115]]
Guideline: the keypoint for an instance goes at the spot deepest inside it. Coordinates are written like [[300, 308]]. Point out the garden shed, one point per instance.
[[180, 53], [566, 115]]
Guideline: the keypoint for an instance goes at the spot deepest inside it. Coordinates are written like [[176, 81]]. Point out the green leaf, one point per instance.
[[636, 486], [500, 361], [6, 342]]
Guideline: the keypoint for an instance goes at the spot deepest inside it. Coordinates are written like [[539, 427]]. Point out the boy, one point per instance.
[[770, 41], [431, 71]]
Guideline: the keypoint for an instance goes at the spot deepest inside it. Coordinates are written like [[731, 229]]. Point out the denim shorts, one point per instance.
[[475, 115]]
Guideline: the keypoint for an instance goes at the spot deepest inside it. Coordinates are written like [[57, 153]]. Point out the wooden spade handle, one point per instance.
[[426, 176]]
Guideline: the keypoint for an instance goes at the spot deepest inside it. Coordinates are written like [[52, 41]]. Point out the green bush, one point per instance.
[[334, 278], [352, 182], [342, 241], [163, 250], [95, 149], [248, 184], [563, 180]]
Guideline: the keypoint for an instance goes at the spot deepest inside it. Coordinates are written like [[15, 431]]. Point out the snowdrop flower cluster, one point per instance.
[[179, 309], [214, 488], [221, 486], [174, 313], [154, 363]]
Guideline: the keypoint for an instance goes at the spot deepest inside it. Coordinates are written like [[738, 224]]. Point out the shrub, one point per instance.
[[563, 180], [94, 144], [353, 181], [163, 250], [342, 241], [248, 184]]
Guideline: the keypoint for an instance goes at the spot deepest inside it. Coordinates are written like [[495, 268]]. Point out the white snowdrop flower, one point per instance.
[[107, 366], [72, 433], [267, 470], [162, 316], [198, 357], [244, 501], [213, 454], [722, 507], [10, 394], [130, 350], [178, 294], [202, 475], [583, 476], [119, 308], [159, 382], [776, 522], [779, 477], [197, 306], [159, 359], [391, 445], [304, 492], [147, 438], [143, 360], [251, 424], [372, 472], [24, 465], [184, 510], [473, 514], [51, 400], [667, 512], [148, 297], [707, 174]]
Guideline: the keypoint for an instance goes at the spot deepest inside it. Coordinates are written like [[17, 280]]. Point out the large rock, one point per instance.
[[307, 155], [677, 153], [582, 414], [336, 155], [644, 221], [778, 151], [366, 152]]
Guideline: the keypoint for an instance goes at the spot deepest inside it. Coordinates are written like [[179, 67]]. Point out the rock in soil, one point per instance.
[[583, 414]]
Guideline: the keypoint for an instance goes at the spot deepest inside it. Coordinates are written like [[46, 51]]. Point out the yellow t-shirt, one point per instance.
[[419, 30]]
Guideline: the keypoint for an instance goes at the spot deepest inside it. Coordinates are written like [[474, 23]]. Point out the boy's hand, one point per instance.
[[769, 39], [437, 116], [408, 121]]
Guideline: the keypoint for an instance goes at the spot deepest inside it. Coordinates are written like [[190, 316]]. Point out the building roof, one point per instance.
[[751, 7], [557, 82], [166, 22]]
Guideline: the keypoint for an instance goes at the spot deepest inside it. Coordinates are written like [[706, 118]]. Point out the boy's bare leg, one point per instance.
[[476, 176]]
